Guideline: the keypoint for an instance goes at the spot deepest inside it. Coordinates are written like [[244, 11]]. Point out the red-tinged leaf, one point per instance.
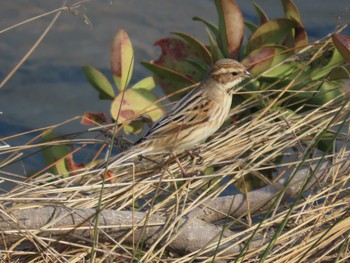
[[99, 82], [231, 27], [169, 80], [273, 32], [262, 59], [292, 12], [135, 103], [174, 69], [197, 45], [122, 59], [342, 43], [175, 55], [93, 118], [301, 38], [263, 18], [72, 165]]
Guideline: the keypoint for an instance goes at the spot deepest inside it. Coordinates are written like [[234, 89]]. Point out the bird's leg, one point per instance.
[[196, 154], [184, 174]]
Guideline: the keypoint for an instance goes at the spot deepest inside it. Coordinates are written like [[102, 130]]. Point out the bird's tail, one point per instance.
[[120, 158]]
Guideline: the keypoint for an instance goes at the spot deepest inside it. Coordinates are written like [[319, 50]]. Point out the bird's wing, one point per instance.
[[190, 110]]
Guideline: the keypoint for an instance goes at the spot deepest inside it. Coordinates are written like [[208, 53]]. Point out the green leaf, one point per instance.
[[326, 142], [56, 153], [213, 28], [251, 26], [342, 43], [175, 55], [170, 80], [174, 69], [197, 45], [320, 71], [199, 65], [136, 102], [146, 83], [328, 91], [342, 72], [292, 12], [231, 27], [214, 49], [122, 59], [263, 18], [99, 82], [135, 127], [273, 32], [262, 59]]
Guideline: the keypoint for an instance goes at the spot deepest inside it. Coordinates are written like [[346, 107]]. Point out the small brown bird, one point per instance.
[[193, 118]]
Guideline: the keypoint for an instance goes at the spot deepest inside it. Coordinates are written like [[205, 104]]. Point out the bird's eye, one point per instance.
[[234, 73]]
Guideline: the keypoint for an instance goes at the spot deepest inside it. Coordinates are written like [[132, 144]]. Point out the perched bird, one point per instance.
[[193, 118]]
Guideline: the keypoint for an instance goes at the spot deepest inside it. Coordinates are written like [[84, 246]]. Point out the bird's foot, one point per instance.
[[193, 173], [196, 156]]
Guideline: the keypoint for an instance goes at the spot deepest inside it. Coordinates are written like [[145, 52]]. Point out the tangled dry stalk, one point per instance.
[[150, 212]]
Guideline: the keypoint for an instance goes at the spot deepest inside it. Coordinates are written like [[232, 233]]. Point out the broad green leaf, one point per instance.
[[173, 69], [327, 142], [292, 12], [168, 73], [262, 59], [263, 18], [214, 49], [342, 72], [328, 91], [134, 127], [273, 32], [146, 83], [122, 59], [55, 153], [213, 28], [136, 102], [231, 27], [300, 37], [99, 82], [199, 65], [342, 43], [320, 71], [251, 26], [169, 80], [175, 55], [202, 50]]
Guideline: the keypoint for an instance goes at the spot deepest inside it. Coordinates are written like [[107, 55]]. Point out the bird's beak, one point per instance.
[[246, 74]]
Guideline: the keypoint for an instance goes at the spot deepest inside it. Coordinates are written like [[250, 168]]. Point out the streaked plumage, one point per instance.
[[193, 118]]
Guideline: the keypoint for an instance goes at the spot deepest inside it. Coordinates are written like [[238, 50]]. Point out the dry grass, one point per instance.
[[148, 212], [305, 219]]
